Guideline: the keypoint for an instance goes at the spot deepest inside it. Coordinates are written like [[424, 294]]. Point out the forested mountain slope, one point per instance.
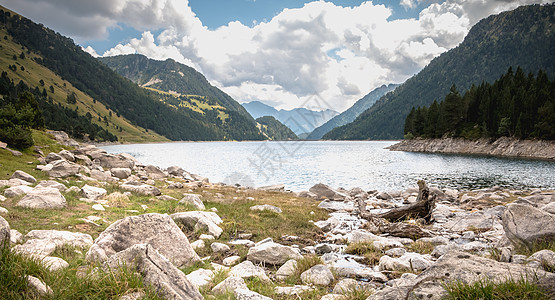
[[523, 37]]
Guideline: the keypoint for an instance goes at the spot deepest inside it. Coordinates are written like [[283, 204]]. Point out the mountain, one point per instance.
[[274, 129], [301, 120], [82, 116], [89, 86], [523, 37], [354, 111], [185, 89]]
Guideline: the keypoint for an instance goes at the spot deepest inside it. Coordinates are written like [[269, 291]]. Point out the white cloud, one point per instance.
[[90, 50], [341, 53]]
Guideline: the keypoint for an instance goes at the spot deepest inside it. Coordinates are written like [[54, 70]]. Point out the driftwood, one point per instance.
[[422, 208]]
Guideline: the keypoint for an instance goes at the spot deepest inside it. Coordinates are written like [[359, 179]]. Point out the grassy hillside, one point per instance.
[[523, 37], [37, 75], [186, 90], [274, 129]]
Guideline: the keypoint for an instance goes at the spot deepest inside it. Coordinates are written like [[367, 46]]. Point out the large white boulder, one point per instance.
[[272, 253], [46, 198]]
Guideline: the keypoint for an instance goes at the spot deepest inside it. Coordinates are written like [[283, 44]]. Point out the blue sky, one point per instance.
[[280, 52]]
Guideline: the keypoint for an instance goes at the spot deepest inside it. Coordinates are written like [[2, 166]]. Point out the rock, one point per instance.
[[98, 207], [246, 243], [45, 198], [62, 138], [175, 171], [360, 236], [101, 175], [333, 297], [332, 205], [156, 270], [273, 188], [62, 168], [53, 157], [52, 184], [159, 231], [154, 172], [267, 207], [230, 261], [198, 244], [525, 225], [327, 225], [292, 290], [348, 285], [272, 253], [92, 192], [38, 286], [246, 294], [206, 237], [440, 250], [23, 176], [67, 155], [384, 196], [229, 285], [323, 191], [317, 275], [141, 188], [16, 191], [133, 296], [110, 161], [219, 247], [550, 208], [396, 252], [200, 278], [200, 221], [286, 270], [247, 269], [44, 242], [2, 198], [194, 200], [16, 237], [121, 173], [546, 258], [54, 263], [5, 232]]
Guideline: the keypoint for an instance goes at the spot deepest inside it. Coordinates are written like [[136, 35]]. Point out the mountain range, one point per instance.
[[523, 37], [354, 111], [301, 121]]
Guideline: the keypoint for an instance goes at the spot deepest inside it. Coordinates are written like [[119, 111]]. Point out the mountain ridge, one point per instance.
[[514, 38]]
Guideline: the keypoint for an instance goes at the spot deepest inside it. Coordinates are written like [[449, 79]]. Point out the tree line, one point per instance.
[[516, 105], [23, 108]]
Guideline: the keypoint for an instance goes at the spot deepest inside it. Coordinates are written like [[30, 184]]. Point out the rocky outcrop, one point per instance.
[[160, 231], [156, 271], [503, 146], [46, 198], [4, 232], [272, 253], [526, 225]]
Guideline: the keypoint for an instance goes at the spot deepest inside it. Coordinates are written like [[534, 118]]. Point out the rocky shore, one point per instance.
[[504, 146], [490, 235]]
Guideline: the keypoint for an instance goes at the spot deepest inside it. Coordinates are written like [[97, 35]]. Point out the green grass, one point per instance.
[[421, 247], [65, 283], [370, 253], [535, 247], [485, 289]]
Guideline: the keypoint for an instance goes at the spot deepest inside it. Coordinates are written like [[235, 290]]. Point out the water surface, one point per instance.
[[348, 164]]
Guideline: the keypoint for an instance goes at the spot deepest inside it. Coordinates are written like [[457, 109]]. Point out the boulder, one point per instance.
[[194, 200], [44, 242], [62, 168], [200, 221], [52, 184], [219, 247], [347, 285], [5, 232], [23, 176], [100, 175], [121, 173], [273, 188], [272, 253], [38, 286], [247, 269], [156, 270], [16, 191], [62, 138], [267, 207], [229, 285], [286, 270], [157, 230], [317, 275], [154, 172], [323, 191], [292, 290], [175, 171], [545, 258], [200, 278], [52, 157], [141, 188], [54, 263], [525, 225], [110, 161], [246, 294], [92, 192], [232, 260], [67, 155], [46, 198]]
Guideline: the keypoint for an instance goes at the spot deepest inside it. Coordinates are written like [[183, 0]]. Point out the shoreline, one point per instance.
[[503, 147]]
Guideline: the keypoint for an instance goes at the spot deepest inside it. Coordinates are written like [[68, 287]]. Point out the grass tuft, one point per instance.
[[486, 289], [370, 253], [421, 247]]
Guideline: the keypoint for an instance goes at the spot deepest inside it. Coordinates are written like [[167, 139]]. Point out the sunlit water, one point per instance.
[[348, 164]]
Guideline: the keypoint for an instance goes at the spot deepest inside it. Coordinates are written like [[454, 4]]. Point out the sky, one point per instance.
[[285, 53]]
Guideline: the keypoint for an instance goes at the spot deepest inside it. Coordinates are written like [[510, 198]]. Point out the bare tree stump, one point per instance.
[[422, 208]]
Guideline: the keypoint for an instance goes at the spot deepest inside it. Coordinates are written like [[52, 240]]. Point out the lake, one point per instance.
[[366, 164]]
